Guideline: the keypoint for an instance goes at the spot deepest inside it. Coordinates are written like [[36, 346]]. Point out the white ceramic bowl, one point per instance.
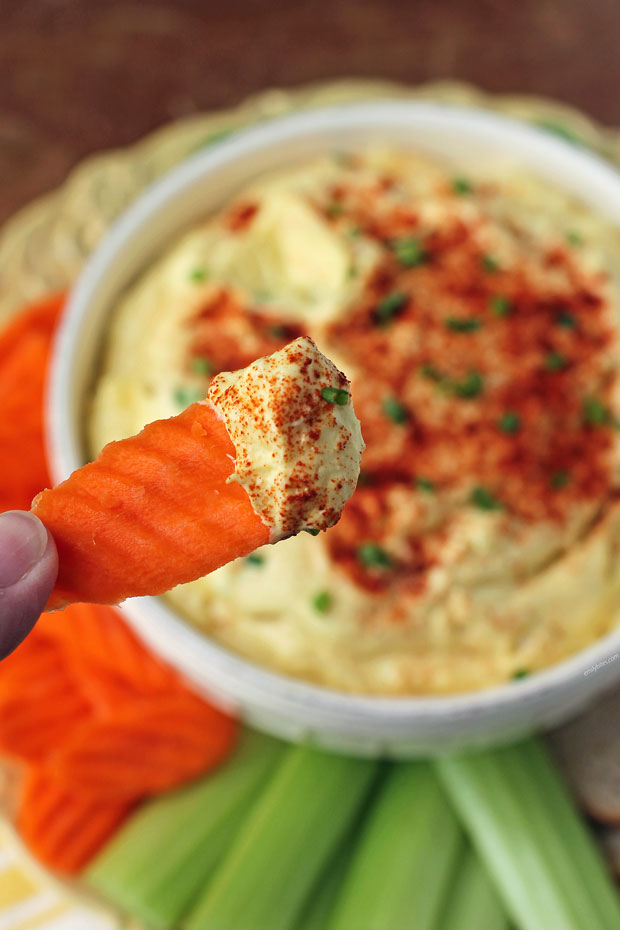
[[273, 702]]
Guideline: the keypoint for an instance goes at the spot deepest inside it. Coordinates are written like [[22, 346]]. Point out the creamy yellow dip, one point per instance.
[[477, 317]]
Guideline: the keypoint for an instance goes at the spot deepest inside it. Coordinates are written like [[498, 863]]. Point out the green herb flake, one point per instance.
[[559, 479], [500, 306], [312, 531], [431, 372], [573, 238], [489, 264], [336, 396], [483, 499], [410, 252], [389, 308], [370, 555], [255, 558], [214, 138], [565, 319], [461, 186], [472, 385], [561, 130], [198, 275], [323, 601], [354, 232], [335, 209], [595, 413], [201, 365], [183, 397], [509, 422], [395, 411], [463, 325], [425, 484], [520, 673], [555, 361]]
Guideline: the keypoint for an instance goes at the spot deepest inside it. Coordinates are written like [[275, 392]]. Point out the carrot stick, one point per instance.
[[151, 512]]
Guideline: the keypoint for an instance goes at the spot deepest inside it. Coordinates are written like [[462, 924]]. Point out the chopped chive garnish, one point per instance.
[[520, 673], [312, 531], [354, 232], [483, 499], [470, 386], [409, 252], [255, 558], [389, 308], [573, 237], [201, 365], [463, 326], [509, 422], [565, 319], [489, 264], [370, 555], [322, 601], [461, 186], [595, 413], [500, 306], [396, 412], [555, 361], [335, 396], [198, 275], [431, 373], [334, 209], [183, 397], [559, 479], [425, 484]]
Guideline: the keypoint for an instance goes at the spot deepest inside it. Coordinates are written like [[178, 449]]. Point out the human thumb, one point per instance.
[[28, 569]]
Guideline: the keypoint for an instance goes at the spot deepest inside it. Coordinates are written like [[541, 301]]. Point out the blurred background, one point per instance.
[[80, 76]]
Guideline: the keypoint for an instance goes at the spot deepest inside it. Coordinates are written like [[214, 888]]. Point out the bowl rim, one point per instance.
[[151, 615]]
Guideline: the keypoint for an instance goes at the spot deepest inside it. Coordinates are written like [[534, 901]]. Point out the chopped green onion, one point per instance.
[[595, 413], [335, 396], [559, 479], [323, 601], [297, 824], [573, 238], [201, 365], [561, 130], [405, 857], [389, 308], [354, 232], [370, 555], [500, 306], [469, 386], [424, 484], [483, 499], [555, 361], [312, 531], [565, 319], [197, 275], [509, 422], [473, 902], [464, 325], [396, 412], [489, 264], [431, 373], [161, 858], [461, 186], [410, 252], [520, 673], [183, 397], [334, 209], [255, 558], [543, 860]]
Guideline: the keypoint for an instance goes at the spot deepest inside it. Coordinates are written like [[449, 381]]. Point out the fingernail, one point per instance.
[[23, 540]]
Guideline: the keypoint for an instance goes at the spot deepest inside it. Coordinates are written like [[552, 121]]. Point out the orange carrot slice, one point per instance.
[[152, 745], [151, 512], [63, 827], [24, 354]]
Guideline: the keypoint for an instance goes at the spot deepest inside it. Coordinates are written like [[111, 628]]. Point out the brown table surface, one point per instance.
[[77, 76]]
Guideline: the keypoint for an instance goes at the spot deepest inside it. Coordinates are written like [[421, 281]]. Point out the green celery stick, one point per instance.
[[160, 861], [473, 902], [405, 858], [531, 839], [324, 895], [303, 815]]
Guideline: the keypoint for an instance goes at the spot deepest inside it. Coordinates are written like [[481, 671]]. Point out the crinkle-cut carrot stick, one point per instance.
[[24, 354], [152, 745], [151, 512], [63, 827]]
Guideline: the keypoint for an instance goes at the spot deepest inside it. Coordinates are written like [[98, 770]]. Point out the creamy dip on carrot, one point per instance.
[[477, 316]]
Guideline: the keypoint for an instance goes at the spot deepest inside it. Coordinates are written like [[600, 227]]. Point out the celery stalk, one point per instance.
[[530, 837], [160, 861], [405, 856], [304, 813], [324, 895], [473, 903]]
